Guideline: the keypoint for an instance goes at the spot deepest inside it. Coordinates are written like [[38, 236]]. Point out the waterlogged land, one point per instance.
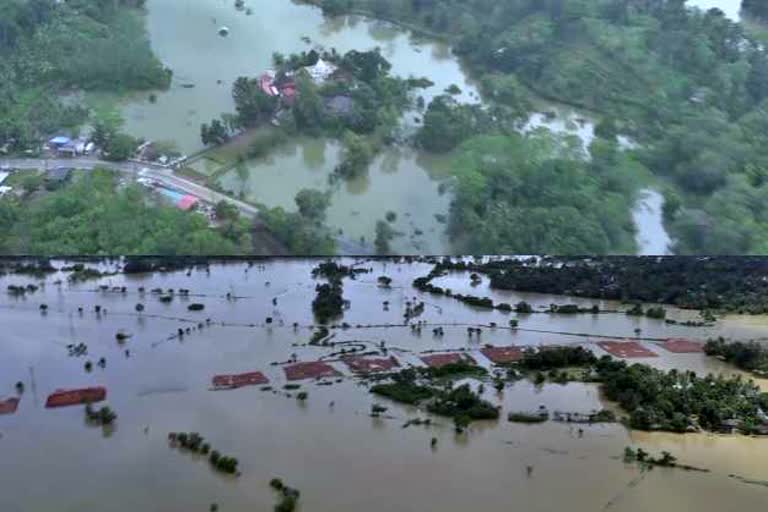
[[410, 182], [327, 445]]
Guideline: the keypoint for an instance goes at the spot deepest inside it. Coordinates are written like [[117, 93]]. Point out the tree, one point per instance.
[[357, 155], [251, 102], [119, 147], [313, 204], [308, 111], [384, 234]]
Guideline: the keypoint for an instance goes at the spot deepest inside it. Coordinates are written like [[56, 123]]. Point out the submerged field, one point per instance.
[[327, 445]]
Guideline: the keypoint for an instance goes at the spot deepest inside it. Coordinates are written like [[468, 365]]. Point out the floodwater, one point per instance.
[[411, 183], [184, 35], [401, 180], [396, 181], [339, 457]]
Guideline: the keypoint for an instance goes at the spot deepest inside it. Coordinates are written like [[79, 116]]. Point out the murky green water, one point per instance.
[[341, 459], [399, 180]]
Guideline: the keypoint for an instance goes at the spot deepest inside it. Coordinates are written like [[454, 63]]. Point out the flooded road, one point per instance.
[[339, 457]]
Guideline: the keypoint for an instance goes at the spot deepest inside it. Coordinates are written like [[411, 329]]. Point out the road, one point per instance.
[[165, 176], [156, 172]]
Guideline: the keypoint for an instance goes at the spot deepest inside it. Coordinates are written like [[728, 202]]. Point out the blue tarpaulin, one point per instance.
[[60, 141]]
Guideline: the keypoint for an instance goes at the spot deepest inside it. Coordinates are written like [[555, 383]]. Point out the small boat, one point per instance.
[[224, 31]]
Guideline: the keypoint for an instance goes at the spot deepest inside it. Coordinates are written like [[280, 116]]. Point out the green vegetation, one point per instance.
[[756, 8], [96, 215], [525, 417], [689, 86], [329, 301], [289, 496], [47, 47], [681, 401], [716, 283], [412, 386], [750, 356], [549, 358], [105, 416], [303, 232], [535, 194], [461, 402], [194, 442]]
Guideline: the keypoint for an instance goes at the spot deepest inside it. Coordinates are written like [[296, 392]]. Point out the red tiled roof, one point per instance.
[[239, 380], [8, 406], [682, 346], [626, 349], [438, 360], [502, 355], [362, 364], [309, 370], [64, 397]]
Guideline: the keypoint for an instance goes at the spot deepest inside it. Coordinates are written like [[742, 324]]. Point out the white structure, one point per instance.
[[321, 71]]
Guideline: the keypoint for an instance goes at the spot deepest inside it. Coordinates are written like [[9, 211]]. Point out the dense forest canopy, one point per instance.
[[48, 47], [97, 215]]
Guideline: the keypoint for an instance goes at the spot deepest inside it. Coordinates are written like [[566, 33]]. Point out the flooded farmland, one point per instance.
[[327, 446]]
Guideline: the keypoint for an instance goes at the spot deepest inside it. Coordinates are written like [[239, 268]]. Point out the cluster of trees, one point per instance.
[[680, 401], [525, 194], [194, 442], [303, 232], [756, 8], [689, 85], [329, 301], [556, 357], [718, 283], [412, 386], [750, 355], [48, 46], [93, 215]]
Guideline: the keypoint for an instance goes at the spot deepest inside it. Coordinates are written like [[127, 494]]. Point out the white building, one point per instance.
[[321, 71]]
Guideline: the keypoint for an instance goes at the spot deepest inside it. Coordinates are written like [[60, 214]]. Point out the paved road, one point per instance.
[[165, 176], [156, 172]]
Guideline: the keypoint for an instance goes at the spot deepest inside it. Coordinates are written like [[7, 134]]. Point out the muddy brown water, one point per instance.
[[339, 457]]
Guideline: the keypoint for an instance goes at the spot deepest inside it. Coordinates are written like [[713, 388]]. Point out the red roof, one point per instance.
[[626, 349], [309, 370], [239, 380], [187, 202], [361, 364], [682, 346], [502, 355], [63, 397], [438, 360], [9, 405]]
